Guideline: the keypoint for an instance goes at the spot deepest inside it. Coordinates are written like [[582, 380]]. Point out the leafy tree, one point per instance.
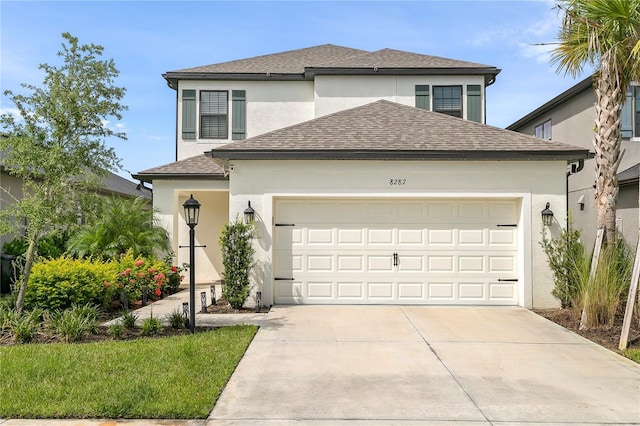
[[57, 145], [605, 34], [120, 225]]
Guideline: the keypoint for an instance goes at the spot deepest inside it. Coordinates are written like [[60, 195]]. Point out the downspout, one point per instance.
[[574, 168], [176, 121]]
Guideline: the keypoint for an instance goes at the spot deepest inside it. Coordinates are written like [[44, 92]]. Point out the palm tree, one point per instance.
[[122, 225], [604, 34]]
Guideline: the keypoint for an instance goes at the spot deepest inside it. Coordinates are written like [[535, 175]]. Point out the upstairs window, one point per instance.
[[214, 114], [448, 100], [543, 131]]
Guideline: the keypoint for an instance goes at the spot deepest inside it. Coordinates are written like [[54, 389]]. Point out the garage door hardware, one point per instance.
[[283, 279], [510, 225], [285, 224], [513, 280], [395, 259]]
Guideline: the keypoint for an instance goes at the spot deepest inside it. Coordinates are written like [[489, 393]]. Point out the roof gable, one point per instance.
[[389, 130]]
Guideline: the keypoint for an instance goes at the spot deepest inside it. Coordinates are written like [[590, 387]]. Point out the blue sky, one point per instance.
[[148, 38]]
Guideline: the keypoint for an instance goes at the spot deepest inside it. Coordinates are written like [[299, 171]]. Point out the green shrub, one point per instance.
[[567, 257], [51, 246], [177, 319], [237, 258], [24, 326], [151, 326], [58, 284], [116, 330], [73, 324], [129, 320]]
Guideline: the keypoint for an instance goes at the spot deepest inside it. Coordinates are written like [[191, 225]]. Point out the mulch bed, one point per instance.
[[223, 307], [609, 337]]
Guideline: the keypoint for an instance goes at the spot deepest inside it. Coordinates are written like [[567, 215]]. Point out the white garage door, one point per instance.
[[381, 251]]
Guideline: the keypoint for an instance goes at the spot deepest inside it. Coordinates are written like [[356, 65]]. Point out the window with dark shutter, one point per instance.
[[188, 114], [474, 103], [422, 97], [448, 100], [214, 116], [238, 115]]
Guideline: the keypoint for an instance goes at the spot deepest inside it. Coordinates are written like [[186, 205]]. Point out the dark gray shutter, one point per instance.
[[626, 122], [422, 97], [474, 103], [238, 115], [188, 114]]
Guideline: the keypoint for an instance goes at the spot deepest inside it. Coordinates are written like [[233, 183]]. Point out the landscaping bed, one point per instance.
[[607, 336]]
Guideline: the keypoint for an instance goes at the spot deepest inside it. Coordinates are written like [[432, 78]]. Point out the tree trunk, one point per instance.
[[29, 259], [609, 94]]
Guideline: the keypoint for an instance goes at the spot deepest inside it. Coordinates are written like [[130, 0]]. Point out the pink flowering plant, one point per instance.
[[136, 275]]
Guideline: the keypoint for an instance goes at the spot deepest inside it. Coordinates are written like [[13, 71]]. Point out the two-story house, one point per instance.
[[372, 176], [570, 118]]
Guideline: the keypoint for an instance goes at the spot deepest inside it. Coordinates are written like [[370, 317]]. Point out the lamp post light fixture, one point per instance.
[[249, 214], [191, 215], [547, 216]]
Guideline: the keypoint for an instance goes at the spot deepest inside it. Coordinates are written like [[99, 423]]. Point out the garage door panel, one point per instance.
[[448, 252], [380, 290], [351, 290], [413, 291], [502, 237], [441, 237], [319, 263], [351, 236], [351, 263]]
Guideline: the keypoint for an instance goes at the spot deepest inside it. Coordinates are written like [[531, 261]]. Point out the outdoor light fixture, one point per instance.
[[213, 294], [203, 301], [191, 211], [191, 214], [547, 216], [249, 214]]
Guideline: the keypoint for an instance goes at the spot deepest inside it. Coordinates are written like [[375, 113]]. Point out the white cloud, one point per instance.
[[541, 53]]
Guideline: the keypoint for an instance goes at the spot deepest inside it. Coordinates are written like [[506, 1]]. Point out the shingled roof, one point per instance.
[[197, 167], [388, 130], [304, 64]]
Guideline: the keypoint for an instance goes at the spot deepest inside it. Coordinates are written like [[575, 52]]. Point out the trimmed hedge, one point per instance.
[[63, 282]]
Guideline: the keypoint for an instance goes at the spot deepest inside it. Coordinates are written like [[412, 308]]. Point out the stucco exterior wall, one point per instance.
[[271, 105], [532, 183], [572, 122], [336, 93], [168, 198]]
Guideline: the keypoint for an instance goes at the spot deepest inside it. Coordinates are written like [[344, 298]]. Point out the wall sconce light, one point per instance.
[[547, 216], [249, 214], [581, 202]]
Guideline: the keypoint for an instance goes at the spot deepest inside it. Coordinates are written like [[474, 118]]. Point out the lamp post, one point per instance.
[[191, 214]]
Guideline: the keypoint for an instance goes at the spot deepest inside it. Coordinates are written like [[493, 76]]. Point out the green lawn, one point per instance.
[[170, 377]]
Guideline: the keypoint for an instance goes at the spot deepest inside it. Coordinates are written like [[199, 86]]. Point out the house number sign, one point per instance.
[[396, 182]]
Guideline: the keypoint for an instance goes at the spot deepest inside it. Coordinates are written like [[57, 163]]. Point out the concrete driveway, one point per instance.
[[426, 365]]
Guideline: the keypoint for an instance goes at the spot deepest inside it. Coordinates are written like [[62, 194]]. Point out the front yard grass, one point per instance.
[[172, 377]]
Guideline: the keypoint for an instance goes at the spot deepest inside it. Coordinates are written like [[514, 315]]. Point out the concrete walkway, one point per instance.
[[399, 365], [161, 308], [425, 365]]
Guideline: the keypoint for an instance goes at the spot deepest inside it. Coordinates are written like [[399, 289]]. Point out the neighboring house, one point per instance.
[[112, 185], [372, 177], [570, 118]]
